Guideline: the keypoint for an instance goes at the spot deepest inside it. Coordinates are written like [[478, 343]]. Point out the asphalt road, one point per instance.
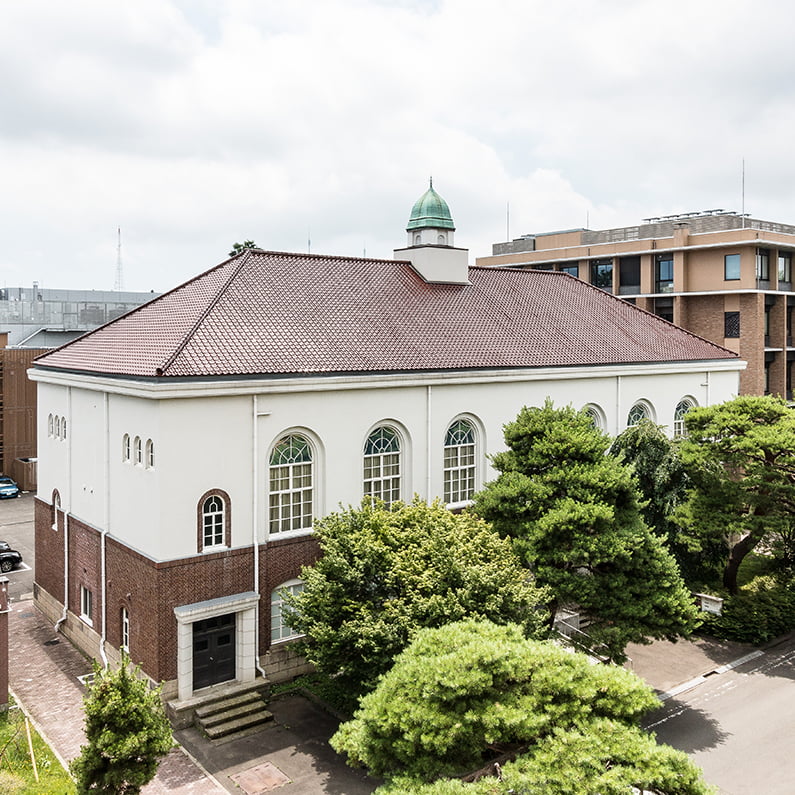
[[739, 725], [16, 527]]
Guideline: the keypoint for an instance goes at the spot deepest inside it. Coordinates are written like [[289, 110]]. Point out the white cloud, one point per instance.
[[193, 124]]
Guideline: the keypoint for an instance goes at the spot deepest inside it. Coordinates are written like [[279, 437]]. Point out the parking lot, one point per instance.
[[16, 527]]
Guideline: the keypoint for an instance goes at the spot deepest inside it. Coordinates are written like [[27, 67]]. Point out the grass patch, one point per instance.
[[754, 566], [16, 768]]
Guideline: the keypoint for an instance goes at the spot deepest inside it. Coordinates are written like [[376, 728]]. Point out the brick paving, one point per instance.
[[43, 671]]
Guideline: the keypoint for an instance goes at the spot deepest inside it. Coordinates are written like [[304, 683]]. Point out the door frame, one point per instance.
[[244, 606]]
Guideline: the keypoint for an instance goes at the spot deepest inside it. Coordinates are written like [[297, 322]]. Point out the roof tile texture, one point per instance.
[[275, 313]]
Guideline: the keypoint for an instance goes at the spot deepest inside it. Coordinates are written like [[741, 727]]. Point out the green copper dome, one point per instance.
[[430, 210]]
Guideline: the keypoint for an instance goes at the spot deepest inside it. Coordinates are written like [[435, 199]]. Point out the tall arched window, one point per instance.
[[137, 451], [125, 629], [639, 412], [213, 524], [57, 432], [290, 480], [56, 506], [279, 629], [150, 454], [382, 465], [125, 447], [682, 407], [50, 426], [459, 462], [63, 428]]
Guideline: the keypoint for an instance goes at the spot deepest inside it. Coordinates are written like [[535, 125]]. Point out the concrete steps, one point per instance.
[[230, 716]]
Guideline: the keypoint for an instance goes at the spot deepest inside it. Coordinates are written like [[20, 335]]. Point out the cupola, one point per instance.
[[430, 241]]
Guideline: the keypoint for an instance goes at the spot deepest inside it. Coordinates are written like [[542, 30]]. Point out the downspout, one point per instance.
[[618, 404], [66, 512], [429, 454], [105, 524], [254, 519], [707, 384], [65, 568]]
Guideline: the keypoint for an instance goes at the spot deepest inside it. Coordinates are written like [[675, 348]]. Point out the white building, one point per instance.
[[186, 447]]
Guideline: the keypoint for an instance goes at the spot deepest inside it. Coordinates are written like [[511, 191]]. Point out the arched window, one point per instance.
[[290, 481], [279, 630], [150, 454], [125, 447], [596, 416], [63, 428], [639, 412], [213, 522], [56, 506], [459, 462], [57, 432], [50, 426], [682, 407], [441, 239], [417, 238], [137, 452], [125, 630], [382, 465]]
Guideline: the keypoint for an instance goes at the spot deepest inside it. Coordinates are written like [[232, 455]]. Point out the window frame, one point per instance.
[[731, 325], [598, 270], [277, 616], [124, 640], [736, 267], [639, 406], [86, 605], [149, 454], [784, 263], [663, 285], [453, 493], [291, 512], [223, 520], [126, 448], [138, 456], [762, 262], [382, 459], [682, 407]]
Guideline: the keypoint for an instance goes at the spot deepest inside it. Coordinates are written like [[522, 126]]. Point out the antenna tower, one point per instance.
[[118, 284]]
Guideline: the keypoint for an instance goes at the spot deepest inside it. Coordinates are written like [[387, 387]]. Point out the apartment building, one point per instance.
[[723, 276]]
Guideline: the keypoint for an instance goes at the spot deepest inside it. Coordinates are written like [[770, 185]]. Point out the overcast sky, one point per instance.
[[192, 124]]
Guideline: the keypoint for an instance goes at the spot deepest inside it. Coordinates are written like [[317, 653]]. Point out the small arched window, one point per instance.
[[596, 416], [417, 238], [125, 630], [150, 454], [63, 428], [213, 514], [382, 465], [56, 506], [57, 431], [279, 629], [137, 451], [682, 407], [290, 480], [125, 447], [638, 413], [441, 239], [50, 426], [459, 462]]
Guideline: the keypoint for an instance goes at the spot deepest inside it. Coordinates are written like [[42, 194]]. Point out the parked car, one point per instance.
[[9, 558], [8, 488]]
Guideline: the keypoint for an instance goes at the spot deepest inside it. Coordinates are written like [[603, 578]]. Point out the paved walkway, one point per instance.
[[43, 669]]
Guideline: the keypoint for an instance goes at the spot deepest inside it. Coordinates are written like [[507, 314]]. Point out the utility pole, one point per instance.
[[118, 285]]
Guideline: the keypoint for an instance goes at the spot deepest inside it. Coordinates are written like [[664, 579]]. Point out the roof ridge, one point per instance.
[[202, 315]]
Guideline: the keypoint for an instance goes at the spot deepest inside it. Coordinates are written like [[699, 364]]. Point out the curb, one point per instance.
[[696, 681]]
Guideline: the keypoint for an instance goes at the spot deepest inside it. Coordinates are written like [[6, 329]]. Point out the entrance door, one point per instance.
[[213, 650]]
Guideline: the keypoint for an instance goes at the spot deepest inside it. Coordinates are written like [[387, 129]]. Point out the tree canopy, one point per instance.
[[573, 513], [387, 572], [740, 457], [239, 248], [127, 733], [467, 694]]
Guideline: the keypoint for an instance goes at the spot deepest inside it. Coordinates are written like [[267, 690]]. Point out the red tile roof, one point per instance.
[[274, 313]]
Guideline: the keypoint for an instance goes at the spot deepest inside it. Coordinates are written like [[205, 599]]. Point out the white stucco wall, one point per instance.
[[206, 436]]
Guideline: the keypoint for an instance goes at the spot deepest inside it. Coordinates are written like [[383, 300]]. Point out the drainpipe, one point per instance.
[[618, 405], [429, 453], [254, 518], [105, 526], [65, 568], [707, 385]]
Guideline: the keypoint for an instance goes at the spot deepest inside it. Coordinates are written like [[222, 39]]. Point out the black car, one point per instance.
[[9, 558]]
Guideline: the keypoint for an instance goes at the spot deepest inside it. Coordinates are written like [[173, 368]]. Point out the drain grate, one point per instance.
[[53, 642]]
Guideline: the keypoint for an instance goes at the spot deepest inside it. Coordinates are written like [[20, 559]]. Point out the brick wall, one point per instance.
[[49, 550]]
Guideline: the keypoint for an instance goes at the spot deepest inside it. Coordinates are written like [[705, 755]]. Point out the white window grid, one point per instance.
[[290, 494], [636, 414], [150, 454], [137, 451], [280, 631], [86, 604], [682, 407], [213, 516], [125, 447], [459, 462], [382, 465]]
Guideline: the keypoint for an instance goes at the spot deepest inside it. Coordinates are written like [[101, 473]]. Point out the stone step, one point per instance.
[[238, 725], [230, 702], [230, 714]]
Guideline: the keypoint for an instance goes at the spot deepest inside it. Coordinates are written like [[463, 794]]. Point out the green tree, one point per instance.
[[239, 248], [741, 458], [462, 696], [127, 732], [663, 482], [573, 513], [386, 572]]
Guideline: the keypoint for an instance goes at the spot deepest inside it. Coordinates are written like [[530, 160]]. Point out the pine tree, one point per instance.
[[127, 732]]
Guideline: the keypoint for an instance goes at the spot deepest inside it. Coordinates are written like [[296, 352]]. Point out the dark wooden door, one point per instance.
[[213, 650]]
